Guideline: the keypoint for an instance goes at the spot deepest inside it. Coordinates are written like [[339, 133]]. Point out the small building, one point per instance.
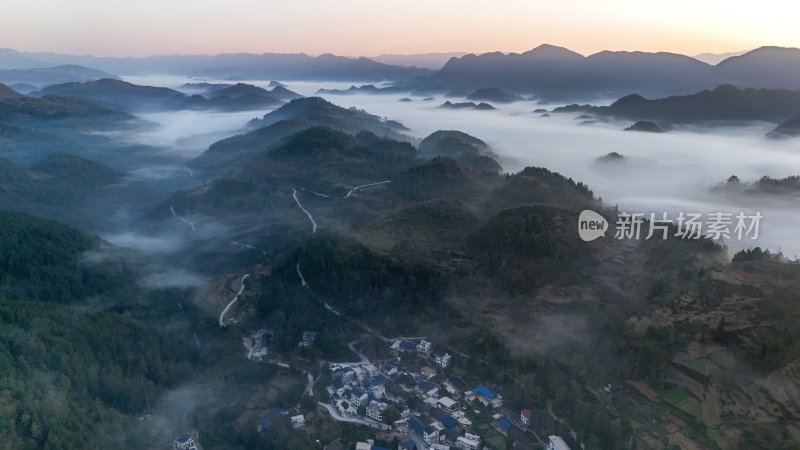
[[505, 425], [375, 410], [462, 419], [468, 442], [448, 404], [376, 390], [348, 375], [442, 359], [525, 416], [404, 345], [257, 344], [184, 441], [557, 443], [426, 387], [430, 434], [358, 397], [488, 396], [416, 425], [298, 421], [388, 369], [449, 422], [307, 339], [424, 347]]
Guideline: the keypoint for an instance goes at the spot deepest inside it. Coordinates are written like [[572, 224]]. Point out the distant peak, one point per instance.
[[631, 99], [552, 50]]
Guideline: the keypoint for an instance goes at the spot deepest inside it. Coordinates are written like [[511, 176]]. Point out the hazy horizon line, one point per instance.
[[384, 54]]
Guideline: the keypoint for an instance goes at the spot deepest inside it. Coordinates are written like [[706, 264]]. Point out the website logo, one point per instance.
[[591, 225]]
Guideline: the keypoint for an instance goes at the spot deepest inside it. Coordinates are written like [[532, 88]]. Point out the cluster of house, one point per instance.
[[440, 421]]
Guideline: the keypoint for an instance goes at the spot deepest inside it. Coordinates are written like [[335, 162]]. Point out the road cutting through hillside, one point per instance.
[[238, 294]]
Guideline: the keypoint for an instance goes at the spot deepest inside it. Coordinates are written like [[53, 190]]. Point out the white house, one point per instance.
[[557, 443], [442, 359], [448, 404], [525, 416], [375, 410], [358, 397], [298, 421], [424, 347], [430, 434], [468, 442]]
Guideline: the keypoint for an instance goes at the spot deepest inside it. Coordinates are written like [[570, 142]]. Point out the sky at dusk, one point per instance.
[[361, 27]]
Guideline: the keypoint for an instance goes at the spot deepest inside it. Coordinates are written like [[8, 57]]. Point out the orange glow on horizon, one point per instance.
[[360, 27]]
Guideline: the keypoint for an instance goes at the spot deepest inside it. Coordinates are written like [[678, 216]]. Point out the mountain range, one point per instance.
[[555, 72], [128, 96], [232, 66], [547, 71], [28, 80]]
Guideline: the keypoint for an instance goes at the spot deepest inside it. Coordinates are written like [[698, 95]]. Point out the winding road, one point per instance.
[[343, 418], [310, 217], [349, 193], [224, 311], [189, 222], [302, 278]]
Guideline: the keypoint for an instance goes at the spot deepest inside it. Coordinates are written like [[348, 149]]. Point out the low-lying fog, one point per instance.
[[669, 172]]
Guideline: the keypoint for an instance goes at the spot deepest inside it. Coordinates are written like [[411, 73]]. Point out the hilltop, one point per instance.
[[723, 105]]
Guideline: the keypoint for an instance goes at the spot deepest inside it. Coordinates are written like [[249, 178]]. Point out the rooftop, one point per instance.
[[558, 443], [481, 389]]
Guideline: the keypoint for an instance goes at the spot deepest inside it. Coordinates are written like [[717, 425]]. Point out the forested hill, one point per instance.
[[43, 260], [76, 359]]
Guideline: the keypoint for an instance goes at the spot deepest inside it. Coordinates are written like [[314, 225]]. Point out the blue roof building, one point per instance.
[[504, 423], [481, 389], [426, 385], [408, 345], [416, 425], [449, 422], [407, 445]]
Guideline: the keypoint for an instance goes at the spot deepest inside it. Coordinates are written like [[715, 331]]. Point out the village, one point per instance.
[[410, 394], [407, 397]]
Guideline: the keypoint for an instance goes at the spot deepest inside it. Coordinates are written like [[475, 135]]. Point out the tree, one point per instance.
[[390, 415]]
